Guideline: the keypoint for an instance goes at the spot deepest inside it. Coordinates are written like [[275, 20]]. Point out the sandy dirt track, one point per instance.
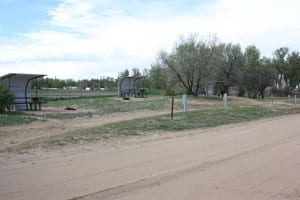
[[257, 160]]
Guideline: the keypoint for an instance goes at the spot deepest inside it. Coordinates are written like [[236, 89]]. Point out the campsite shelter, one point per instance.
[[20, 86], [128, 87], [214, 88]]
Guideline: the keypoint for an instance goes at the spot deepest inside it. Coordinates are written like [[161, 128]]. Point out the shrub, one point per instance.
[[281, 92], [6, 98]]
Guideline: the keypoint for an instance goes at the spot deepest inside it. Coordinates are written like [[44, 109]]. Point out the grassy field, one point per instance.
[[8, 119], [61, 94], [112, 104], [107, 105], [102, 105], [203, 112], [57, 94], [181, 121], [292, 100]]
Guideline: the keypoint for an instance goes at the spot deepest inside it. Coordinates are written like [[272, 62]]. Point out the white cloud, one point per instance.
[[263, 23], [72, 14], [92, 38]]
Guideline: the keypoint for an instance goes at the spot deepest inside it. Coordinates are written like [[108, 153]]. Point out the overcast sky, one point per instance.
[[92, 38]]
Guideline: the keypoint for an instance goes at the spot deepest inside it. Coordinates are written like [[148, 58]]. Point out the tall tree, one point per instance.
[[158, 76], [136, 72], [280, 62], [124, 73], [6, 98], [293, 70], [231, 61], [190, 61], [252, 56], [258, 73]]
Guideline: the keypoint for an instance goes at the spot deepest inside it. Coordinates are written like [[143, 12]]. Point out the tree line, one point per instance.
[[102, 82], [193, 63]]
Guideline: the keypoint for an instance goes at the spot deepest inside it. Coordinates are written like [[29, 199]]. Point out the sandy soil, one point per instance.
[[256, 160]]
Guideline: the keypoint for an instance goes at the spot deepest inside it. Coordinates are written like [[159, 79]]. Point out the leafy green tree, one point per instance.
[[107, 82], [293, 70], [136, 72], [158, 77], [258, 73], [93, 83], [70, 83], [124, 73], [281, 63], [252, 56], [6, 98], [190, 62], [59, 83], [231, 61], [146, 81]]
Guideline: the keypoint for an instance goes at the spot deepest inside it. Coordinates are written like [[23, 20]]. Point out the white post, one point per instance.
[[295, 98], [184, 101], [225, 99], [272, 97]]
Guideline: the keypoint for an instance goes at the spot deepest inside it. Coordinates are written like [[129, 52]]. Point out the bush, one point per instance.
[[281, 92], [6, 98]]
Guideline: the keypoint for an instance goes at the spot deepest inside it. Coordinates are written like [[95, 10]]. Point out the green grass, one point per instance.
[[106, 105], [211, 113], [70, 115], [104, 101], [13, 118], [64, 94], [180, 122], [101, 105], [156, 92], [280, 99]]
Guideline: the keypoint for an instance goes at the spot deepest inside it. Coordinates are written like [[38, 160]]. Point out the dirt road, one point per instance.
[[258, 160]]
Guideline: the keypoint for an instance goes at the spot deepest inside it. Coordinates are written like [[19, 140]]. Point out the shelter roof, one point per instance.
[[131, 78], [16, 75]]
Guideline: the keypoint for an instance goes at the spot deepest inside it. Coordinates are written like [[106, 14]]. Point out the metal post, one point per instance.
[[184, 101], [225, 99], [172, 107], [272, 97]]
